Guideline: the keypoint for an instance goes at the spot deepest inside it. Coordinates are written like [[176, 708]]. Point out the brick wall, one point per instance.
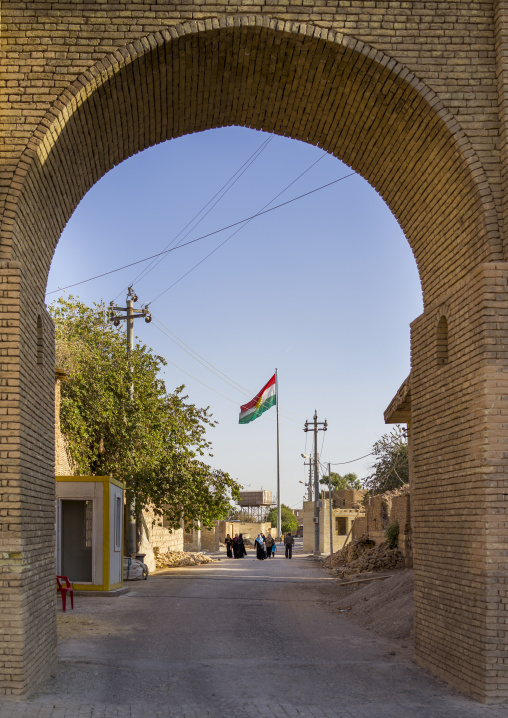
[[210, 539], [155, 537], [246, 528], [381, 511], [401, 513], [63, 462], [359, 528], [413, 96]]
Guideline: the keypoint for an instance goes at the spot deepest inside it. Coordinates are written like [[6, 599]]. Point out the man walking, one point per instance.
[[289, 542]]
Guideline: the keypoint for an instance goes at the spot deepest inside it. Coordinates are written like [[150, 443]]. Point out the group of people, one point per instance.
[[235, 546], [265, 546]]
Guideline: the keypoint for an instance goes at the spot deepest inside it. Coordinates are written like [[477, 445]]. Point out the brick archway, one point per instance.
[[328, 88], [360, 105]]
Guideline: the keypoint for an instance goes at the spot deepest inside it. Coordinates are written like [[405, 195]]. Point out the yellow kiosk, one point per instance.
[[89, 531]]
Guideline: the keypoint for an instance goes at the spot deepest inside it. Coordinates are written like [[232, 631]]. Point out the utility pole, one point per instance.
[[128, 317], [315, 428]]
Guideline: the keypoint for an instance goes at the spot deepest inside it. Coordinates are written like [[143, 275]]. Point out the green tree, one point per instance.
[[157, 441], [289, 522], [338, 482], [391, 466]]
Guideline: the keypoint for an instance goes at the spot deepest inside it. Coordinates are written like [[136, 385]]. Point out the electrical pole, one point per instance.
[[128, 317], [315, 428]]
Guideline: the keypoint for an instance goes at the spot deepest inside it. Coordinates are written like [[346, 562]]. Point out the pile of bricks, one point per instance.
[[173, 559], [361, 556]]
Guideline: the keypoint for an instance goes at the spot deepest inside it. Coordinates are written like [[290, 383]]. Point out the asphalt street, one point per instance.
[[237, 638]]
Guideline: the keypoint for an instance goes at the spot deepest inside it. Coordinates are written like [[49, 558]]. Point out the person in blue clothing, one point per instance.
[[260, 547]]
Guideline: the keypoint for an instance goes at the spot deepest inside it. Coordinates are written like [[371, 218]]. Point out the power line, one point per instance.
[[224, 190], [204, 236], [204, 362], [195, 356], [236, 231], [192, 351], [322, 443], [233, 401], [341, 463]]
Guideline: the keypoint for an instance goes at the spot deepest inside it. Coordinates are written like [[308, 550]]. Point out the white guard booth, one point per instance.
[[89, 531]]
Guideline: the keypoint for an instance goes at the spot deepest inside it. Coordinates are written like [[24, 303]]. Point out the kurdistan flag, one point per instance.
[[262, 401]]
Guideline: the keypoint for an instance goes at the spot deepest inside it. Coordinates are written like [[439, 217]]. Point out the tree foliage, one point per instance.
[[391, 466], [156, 442], [289, 522], [338, 482]]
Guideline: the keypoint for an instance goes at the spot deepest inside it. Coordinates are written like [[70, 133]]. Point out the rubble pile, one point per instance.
[[401, 491], [173, 559], [361, 556]]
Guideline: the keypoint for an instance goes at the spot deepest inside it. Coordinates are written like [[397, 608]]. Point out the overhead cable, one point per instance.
[[234, 401], [197, 357], [204, 236], [218, 196], [247, 221], [341, 463], [211, 367]]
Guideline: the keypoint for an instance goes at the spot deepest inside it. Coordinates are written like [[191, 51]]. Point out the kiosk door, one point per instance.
[[76, 540]]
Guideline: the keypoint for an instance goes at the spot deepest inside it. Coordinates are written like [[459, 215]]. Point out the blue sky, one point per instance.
[[323, 288]]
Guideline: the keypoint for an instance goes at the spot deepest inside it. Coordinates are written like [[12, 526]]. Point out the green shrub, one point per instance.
[[392, 534]]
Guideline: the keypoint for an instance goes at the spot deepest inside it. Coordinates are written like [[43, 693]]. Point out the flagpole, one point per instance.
[[278, 463]]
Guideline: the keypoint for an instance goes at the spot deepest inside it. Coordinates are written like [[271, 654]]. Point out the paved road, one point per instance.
[[236, 639]]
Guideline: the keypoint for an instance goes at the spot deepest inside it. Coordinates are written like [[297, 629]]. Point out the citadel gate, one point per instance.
[[414, 97]]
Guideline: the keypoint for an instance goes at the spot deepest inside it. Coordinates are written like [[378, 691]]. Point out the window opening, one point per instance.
[[40, 343], [442, 342], [341, 525], [118, 522]]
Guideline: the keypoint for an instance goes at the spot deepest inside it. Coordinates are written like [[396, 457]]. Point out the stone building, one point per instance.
[[246, 528], [346, 507], [380, 512]]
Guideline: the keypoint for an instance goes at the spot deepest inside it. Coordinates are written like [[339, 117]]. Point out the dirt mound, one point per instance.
[[385, 607], [361, 556], [173, 559]]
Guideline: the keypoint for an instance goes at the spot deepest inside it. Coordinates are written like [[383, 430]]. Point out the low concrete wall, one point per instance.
[[210, 539], [155, 536], [245, 528]]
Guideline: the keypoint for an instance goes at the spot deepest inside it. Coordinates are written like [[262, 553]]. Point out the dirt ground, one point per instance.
[[383, 605]]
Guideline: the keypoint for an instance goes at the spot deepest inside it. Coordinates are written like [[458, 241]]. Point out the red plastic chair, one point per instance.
[[64, 590]]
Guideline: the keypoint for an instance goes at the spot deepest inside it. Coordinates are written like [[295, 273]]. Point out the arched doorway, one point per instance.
[[358, 104]]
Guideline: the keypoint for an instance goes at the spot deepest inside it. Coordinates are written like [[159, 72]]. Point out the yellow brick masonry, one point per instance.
[[413, 96]]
